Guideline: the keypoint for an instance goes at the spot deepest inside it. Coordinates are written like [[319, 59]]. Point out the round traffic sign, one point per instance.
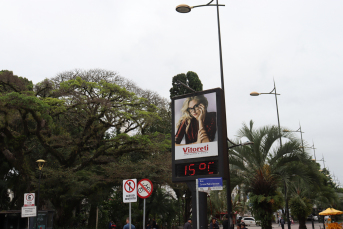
[[129, 186], [30, 197], [145, 188]]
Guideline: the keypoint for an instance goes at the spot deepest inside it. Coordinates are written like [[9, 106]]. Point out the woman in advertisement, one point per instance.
[[196, 124]]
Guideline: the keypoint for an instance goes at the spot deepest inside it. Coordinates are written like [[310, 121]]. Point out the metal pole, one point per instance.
[[228, 191], [40, 174], [278, 120], [220, 49], [277, 112], [197, 196], [130, 215], [301, 136], [97, 217], [144, 214], [314, 151]]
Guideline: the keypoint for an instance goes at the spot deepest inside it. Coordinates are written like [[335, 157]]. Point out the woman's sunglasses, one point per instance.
[[189, 109]]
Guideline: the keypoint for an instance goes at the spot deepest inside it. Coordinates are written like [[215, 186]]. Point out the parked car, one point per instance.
[[315, 218], [249, 221]]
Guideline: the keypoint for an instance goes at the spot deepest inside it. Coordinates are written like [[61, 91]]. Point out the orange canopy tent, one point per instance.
[[331, 211]]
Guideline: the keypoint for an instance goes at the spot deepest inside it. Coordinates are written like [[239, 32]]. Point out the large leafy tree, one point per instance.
[[265, 166], [91, 126]]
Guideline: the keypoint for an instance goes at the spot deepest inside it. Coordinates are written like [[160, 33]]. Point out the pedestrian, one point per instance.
[[214, 224], [127, 225], [113, 226], [226, 222], [110, 224], [188, 224], [279, 219], [282, 222], [153, 224], [148, 226], [243, 226]]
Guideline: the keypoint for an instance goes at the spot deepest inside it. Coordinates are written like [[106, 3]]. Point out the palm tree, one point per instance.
[[308, 190], [264, 166]]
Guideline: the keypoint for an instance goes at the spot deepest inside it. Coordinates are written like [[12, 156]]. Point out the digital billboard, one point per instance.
[[199, 135]]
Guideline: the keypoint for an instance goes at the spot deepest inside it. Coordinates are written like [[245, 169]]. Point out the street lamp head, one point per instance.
[[285, 130], [40, 163], [183, 8], [254, 93]]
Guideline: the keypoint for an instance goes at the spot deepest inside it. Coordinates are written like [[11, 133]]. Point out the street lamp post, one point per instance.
[[273, 92], [40, 167], [301, 135], [183, 8]]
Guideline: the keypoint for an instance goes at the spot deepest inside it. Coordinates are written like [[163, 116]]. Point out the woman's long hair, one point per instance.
[[185, 115]]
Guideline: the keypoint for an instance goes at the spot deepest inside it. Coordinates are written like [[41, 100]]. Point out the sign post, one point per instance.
[[29, 209], [130, 193], [145, 189], [29, 199]]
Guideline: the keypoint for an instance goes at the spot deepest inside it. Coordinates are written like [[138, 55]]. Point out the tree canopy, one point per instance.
[[92, 127], [191, 79]]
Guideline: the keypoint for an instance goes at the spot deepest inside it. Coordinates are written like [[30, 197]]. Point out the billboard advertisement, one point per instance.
[[199, 135], [196, 126]]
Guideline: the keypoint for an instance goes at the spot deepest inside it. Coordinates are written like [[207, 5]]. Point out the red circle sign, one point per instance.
[[129, 186], [30, 197], [145, 188]]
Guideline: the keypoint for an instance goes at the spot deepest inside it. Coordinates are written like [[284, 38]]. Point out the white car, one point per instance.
[[249, 221]]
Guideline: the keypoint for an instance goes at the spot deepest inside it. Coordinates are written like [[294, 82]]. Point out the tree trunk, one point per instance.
[[92, 216], [302, 223]]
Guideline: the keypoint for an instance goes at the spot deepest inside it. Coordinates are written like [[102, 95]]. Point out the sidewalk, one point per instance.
[[317, 225]]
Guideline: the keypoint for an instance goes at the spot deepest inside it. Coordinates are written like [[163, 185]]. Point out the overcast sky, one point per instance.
[[298, 43]]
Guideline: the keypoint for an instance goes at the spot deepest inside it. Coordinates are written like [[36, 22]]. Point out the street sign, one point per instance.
[[29, 199], [206, 184], [145, 188], [28, 211], [130, 190]]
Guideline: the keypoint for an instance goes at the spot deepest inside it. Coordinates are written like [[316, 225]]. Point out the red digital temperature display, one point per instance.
[[196, 169]]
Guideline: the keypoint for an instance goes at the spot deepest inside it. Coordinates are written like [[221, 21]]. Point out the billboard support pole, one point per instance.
[[197, 196]]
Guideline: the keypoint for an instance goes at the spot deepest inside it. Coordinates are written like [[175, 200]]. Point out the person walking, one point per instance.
[[214, 224], [188, 224], [282, 222], [127, 225], [154, 224], [243, 226], [226, 222]]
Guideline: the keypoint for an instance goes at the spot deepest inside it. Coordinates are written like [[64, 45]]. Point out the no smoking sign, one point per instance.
[[130, 190]]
